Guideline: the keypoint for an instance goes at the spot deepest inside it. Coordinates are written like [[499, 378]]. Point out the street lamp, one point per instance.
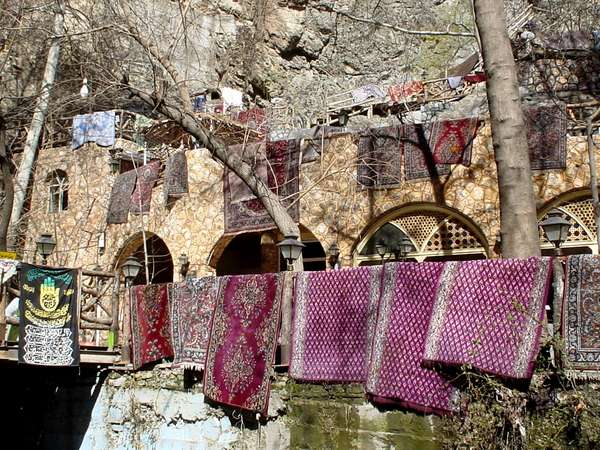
[[184, 265], [334, 254], [556, 228], [405, 246], [45, 246], [291, 248], [131, 267], [381, 249]]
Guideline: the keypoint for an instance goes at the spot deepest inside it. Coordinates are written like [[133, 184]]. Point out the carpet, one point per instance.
[[142, 194], [243, 341], [150, 329], [488, 314], [254, 155], [395, 372], [120, 197], [191, 306], [418, 158], [49, 319], [451, 141], [379, 158], [283, 179], [332, 328], [176, 176], [547, 136], [581, 317], [403, 92]]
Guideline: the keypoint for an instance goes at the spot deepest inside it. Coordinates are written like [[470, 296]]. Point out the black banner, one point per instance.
[[48, 332]]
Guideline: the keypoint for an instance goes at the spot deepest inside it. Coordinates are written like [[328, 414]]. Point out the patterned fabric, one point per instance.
[[380, 158], [150, 333], [581, 315], [49, 322], [547, 136], [571, 40], [283, 179], [418, 159], [142, 194], [402, 92], [255, 118], [488, 314], [253, 154], [332, 329], [199, 103], [98, 127], [451, 140], [395, 372], [363, 93], [176, 176], [191, 305], [243, 340], [120, 197]]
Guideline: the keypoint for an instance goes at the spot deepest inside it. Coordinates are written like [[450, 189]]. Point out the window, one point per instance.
[[58, 187]]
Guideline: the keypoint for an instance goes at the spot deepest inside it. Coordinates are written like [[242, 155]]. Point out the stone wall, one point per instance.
[[154, 410], [333, 206]]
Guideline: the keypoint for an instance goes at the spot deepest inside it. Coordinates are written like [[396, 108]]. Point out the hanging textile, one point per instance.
[[403, 92], [191, 305], [142, 194], [8, 268], [176, 177], [243, 341], [418, 158], [488, 314], [254, 155], [547, 136], [581, 318], [332, 330], [150, 326], [98, 127], [120, 197], [395, 373], [283, 179], [452, 140], [255, 118], [380, 158], [363, 93], [49, 316]]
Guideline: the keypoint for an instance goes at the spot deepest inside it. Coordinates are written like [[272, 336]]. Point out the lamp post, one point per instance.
[[381, 249], [45, 246], [131, 267], [556, 229], [290, 248], [405, 246], [334, 254], [184, 265]]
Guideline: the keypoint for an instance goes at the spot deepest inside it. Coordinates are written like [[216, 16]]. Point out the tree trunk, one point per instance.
[[519, 230], [37, 121], [7, 179]]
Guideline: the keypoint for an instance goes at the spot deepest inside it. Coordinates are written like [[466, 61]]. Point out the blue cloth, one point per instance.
[[199, 103], [98, 127]]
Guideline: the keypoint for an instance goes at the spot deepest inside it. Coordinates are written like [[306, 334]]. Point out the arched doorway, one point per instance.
[[160, 262], [577, 208], [257, 252], [436, 233]]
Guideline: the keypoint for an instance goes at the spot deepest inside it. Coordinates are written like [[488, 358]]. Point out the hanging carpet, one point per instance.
[[120, 197], [142, 194]]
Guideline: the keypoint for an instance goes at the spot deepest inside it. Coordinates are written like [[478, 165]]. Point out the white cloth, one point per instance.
[[9, 268], [454, 82], [231, 97]]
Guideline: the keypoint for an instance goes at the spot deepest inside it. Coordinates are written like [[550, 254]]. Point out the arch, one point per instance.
[[576, 206], [435, 232], [256, 252], [160, 261]]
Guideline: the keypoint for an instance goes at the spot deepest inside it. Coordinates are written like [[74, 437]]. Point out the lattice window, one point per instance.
[[420, 227], [581, 215], [452, 235]]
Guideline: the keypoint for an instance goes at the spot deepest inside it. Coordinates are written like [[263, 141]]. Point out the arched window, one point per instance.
[[436, 234], [58, 190]]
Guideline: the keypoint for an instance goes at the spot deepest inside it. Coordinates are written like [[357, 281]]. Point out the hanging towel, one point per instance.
[[332, 329], [150, 327], [142, 194], [120, 197], [395, 373], [191, 306], [232, 98], [49, 321], [176, 176], [488, 314], [452, 140], [243, 341], [98, 127], [581, 317]]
